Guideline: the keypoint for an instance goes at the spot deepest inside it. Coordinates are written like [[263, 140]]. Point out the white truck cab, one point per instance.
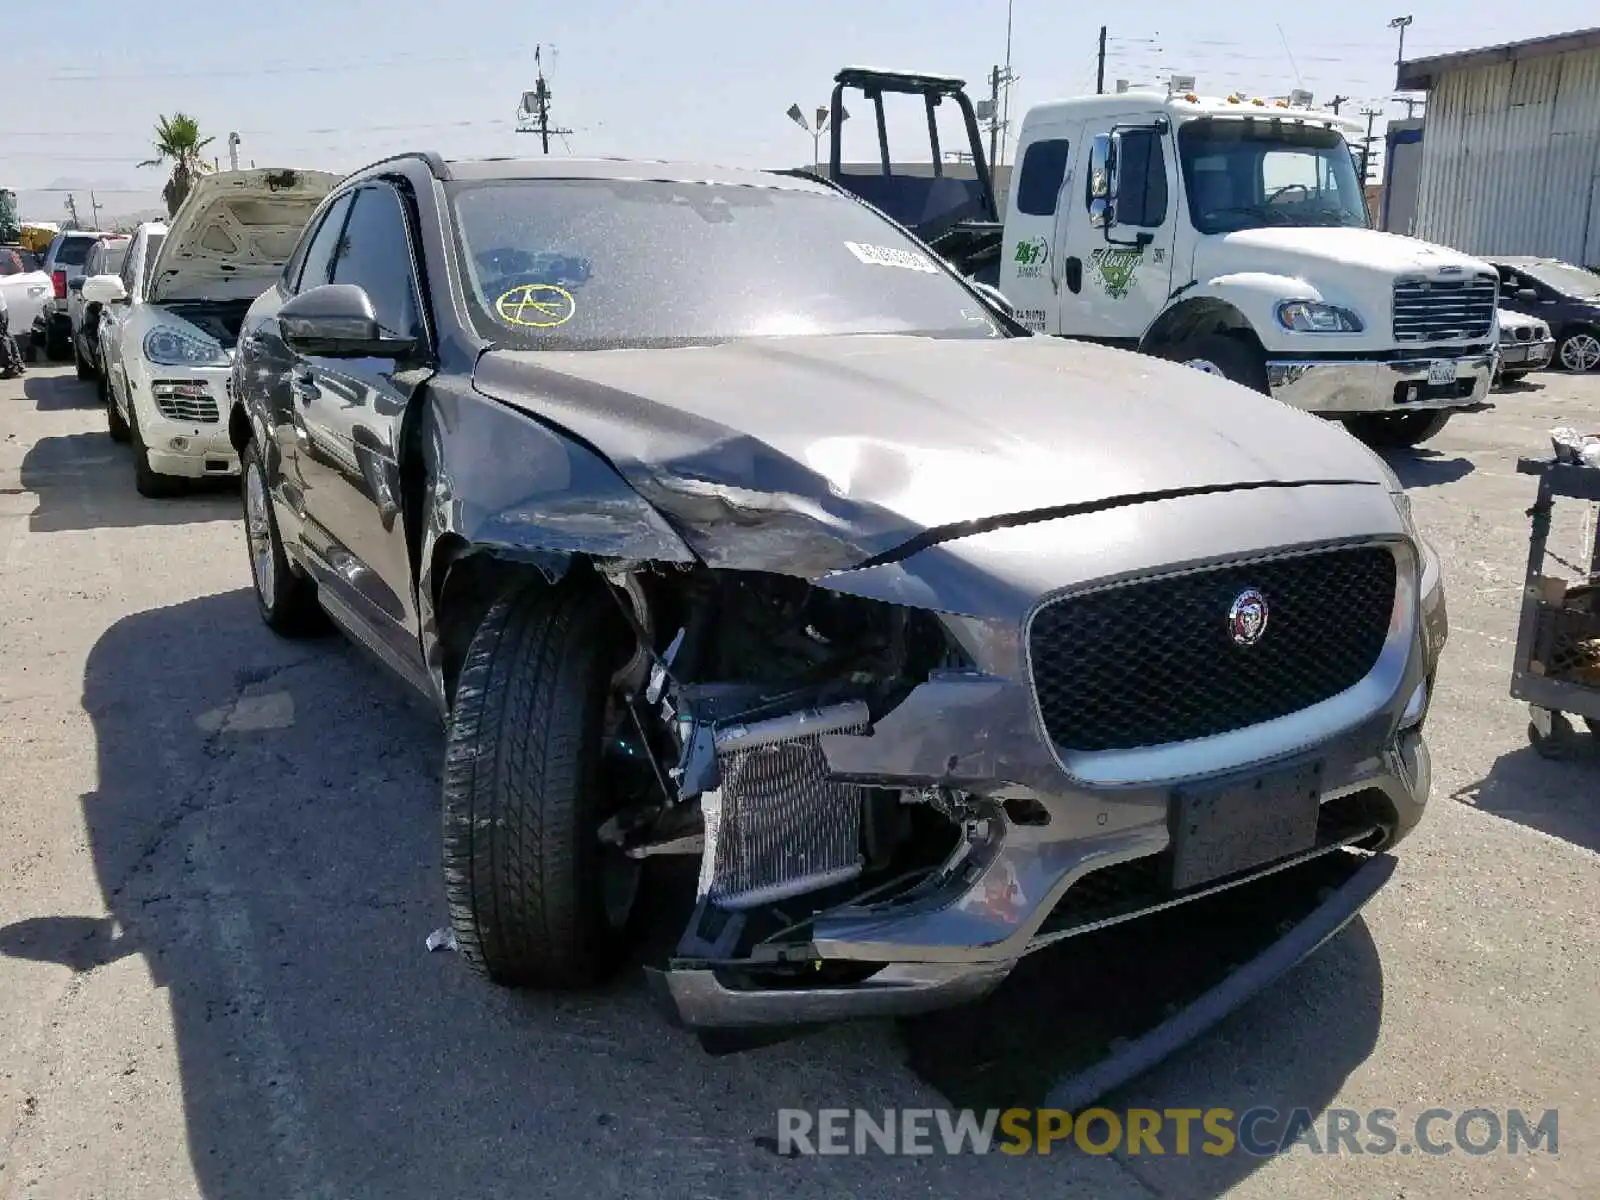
[[1232, 235]]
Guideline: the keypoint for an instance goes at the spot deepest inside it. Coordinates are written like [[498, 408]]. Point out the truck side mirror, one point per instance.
[[1528, 296], [1102, 188]]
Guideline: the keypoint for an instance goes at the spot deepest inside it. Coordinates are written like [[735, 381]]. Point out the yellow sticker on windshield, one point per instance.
[[536, 306]]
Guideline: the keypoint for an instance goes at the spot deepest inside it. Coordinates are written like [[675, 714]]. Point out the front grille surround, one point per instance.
[[1427, 310], [185, 400], [1385, 650]]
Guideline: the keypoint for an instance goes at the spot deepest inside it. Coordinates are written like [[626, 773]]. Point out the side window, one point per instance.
[[317, 262], [1142, 180], [1044, 165], [130, 261], [376, 254], [92, 261]]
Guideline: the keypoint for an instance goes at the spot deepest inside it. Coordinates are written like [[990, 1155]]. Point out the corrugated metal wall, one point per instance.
[[1511, 161]]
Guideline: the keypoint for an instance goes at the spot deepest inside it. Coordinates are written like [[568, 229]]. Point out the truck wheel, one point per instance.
[[56, 342], [1394, 431], [85, 367], [287, 601], [1579, 350], [524, 868], [1219, 354]]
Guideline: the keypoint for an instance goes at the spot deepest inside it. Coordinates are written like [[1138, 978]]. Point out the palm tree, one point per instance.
[[178, 140]]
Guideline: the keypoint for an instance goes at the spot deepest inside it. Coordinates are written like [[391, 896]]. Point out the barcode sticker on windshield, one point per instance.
[[888, 256]]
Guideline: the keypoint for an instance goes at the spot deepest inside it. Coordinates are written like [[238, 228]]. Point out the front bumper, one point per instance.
[[183, 440], [1019, 884], [1527, 356], [1343, 387]]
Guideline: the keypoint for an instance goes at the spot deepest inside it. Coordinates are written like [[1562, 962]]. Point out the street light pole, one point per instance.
[[815, 130]]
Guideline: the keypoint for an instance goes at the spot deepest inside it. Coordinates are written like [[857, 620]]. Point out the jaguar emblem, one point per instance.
[[1247, 619]]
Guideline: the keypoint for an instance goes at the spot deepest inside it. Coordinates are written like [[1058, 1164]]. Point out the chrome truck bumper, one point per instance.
[[1345, 387]]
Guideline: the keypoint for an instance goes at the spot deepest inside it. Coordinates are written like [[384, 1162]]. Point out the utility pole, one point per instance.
[[539, 113], [1336, 102], [233, 152], [1100, 66], [1371, 114], [1411, 103], [94, 207], [994, 113], [1400, 23], [72, 210]]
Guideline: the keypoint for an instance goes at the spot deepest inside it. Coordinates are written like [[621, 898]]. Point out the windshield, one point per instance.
[[1247, 174], [1566, 279], [11, 262], [73, 250], [588, 264]]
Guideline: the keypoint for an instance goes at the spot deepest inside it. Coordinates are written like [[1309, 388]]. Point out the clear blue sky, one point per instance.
[[337, 83]]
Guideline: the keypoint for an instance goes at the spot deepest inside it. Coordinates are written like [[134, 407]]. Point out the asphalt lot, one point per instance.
[[218, 865]]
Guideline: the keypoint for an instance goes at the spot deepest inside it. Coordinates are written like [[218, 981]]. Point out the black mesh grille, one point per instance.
[[1150, 663]]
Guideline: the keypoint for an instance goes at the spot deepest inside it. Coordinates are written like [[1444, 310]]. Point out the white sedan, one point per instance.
[[25, 293], [169, 321]]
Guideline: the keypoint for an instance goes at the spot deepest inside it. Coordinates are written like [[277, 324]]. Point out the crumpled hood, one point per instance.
[[234, 232], [1296, 251], [859, 444]]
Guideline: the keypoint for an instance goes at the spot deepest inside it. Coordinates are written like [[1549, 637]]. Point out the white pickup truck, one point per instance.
[[1229, 234]]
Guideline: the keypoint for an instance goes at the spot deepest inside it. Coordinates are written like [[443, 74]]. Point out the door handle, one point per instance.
[[1074, 269], [305, 387]]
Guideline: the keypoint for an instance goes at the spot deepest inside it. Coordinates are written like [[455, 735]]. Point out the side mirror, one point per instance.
[[75, 285], [1528, 296], [337, 320], [1102, 194], [104, 289]]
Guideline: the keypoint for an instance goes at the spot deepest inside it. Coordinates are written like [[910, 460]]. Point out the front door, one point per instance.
[[1122, 285], [352, 412]]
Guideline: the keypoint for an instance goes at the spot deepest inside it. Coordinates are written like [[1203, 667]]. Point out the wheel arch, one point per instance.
[[1196, 317]]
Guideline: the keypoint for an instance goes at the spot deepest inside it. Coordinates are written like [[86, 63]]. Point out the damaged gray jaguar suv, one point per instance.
[[721, 520]]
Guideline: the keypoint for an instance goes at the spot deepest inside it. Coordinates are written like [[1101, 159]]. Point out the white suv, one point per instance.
[[169, 321]]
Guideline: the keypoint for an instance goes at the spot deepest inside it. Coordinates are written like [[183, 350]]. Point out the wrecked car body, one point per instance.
[[932, 642]]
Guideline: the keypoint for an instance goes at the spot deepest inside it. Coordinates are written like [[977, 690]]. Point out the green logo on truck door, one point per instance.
[[1116, 269], [1031, 257]]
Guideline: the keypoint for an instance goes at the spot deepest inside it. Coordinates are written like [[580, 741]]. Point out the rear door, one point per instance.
[[1030, 263]]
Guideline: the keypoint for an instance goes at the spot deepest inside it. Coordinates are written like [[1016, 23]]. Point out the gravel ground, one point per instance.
[[218, 863]]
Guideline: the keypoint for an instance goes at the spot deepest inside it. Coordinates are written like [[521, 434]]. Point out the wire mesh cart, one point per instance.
[[1557, 664]]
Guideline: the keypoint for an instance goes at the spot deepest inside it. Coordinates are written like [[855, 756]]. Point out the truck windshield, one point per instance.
[[579, 264], [1249, 174]]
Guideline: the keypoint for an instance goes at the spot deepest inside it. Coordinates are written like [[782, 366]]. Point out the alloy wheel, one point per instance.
[[1581, 352]]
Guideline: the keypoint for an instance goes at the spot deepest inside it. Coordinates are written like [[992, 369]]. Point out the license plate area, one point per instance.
[[1441, 371], [1231, 825]]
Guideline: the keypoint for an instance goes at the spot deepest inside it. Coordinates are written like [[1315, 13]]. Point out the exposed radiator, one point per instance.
[[778, 826]]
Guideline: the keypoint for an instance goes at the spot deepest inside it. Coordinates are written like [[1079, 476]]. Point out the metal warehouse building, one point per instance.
[[1511, 157]]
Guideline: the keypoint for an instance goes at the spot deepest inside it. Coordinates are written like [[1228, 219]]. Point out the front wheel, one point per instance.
[[146, 481], [1218, 354], [1395, 431], [85, 367], [287, 601], [1579, 351], [524, 868]]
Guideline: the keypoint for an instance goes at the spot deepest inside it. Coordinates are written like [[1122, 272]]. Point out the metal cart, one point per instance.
[[1557, 665]]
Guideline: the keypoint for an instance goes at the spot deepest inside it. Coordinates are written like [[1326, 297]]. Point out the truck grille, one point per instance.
[[185, 400], [1154, 662], [1444, 310]]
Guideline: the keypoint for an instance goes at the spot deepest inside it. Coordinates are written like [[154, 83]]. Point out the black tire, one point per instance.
[[115, 425], [287, 601], [1232, 357], [1383, 431], [85, 367], [523, 794], [57, 342], [146, 482]]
